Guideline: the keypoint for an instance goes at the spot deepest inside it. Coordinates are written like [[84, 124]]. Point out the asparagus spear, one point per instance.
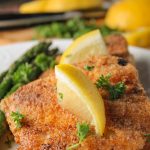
[[43, 61], [53, 52], [29, 72], [2, 123], [14, 88], [5, 86], [2, 75], [25, 73], [27, 57], [30, 55], [6, 77]]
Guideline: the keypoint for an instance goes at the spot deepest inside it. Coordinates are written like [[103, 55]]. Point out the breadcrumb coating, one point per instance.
[[47, 126]]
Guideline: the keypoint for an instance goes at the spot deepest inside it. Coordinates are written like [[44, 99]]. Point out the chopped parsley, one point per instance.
[[115, 91], [17, 118], [60, 96], [82, 132], [88, 68], [103, 81]]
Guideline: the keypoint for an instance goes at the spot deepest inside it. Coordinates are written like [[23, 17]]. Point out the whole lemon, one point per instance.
[[53, 6], [129, 15]]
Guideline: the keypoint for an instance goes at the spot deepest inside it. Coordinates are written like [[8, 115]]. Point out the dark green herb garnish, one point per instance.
[[17, 118], [88, 68], [60, 96], [103, 81], [82, 132], [115, 91]]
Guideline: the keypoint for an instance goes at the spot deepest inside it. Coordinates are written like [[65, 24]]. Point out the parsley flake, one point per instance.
[[103, 81], [88, 68], [17, 118], [115, 91], [82, 132]]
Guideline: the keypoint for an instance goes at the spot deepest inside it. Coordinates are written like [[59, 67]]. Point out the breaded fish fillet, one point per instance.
[[116, 46], [48, 127]]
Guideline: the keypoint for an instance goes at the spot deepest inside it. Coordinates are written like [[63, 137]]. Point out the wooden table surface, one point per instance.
[[19, 35], [12, 36]]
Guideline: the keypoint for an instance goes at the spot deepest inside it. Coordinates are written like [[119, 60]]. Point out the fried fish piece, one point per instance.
[[116, 46], [47, 126]]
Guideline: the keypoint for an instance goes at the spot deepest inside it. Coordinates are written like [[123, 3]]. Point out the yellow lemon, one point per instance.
[[67, 5], [139, 37], [80, 96], [129, 15], [33, 7], [89, 44], [58, 5]]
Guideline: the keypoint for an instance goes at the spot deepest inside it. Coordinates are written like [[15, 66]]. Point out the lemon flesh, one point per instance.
[[89, 44], [80, 96]]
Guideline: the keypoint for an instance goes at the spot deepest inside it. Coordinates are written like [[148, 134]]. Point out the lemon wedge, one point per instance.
[[80, 96], [89, 44], [139, 37], [128, 15]]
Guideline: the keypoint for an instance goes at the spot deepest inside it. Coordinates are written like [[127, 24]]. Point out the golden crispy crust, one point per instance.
[[110, 65], [45, 122], [117, 140], [117, 45], [47, 126]]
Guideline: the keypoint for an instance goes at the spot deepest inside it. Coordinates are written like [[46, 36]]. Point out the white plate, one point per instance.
[[10, 53]]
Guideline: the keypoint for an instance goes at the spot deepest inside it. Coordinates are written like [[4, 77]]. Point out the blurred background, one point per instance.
[[22, 20]]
